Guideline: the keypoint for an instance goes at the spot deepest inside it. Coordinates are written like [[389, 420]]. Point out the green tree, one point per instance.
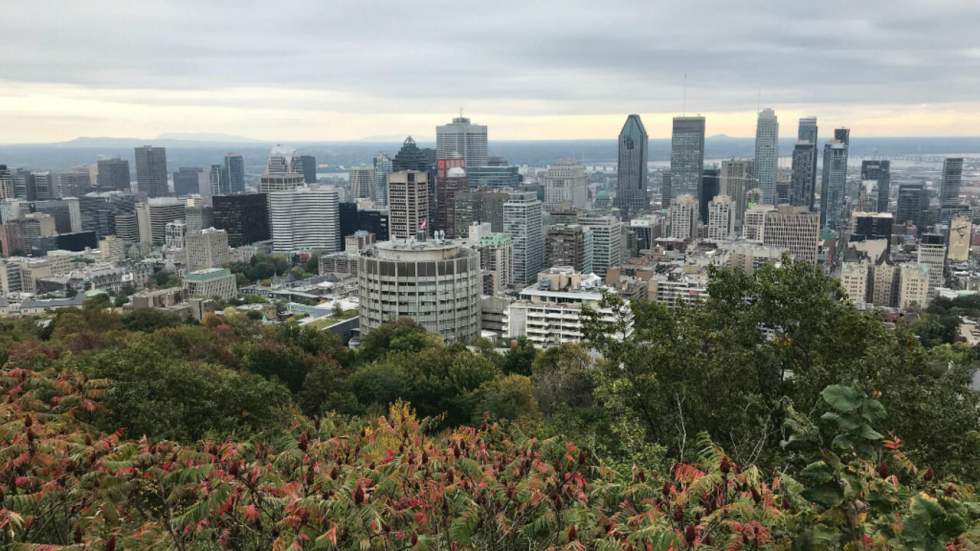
[[508, 397], [519, 358], [403, 335]]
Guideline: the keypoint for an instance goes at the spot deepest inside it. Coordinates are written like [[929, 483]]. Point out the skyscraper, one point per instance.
[[410, 157], [113, 175], [736, 180], [795, 229], [408, 203], [807, 132], [235, 172], [522, 222], [631, 177], [382, 167], [362, 182], [607, 242], [832, 185], [453, 184], [187, 180], [912, 204], [710, 187], [465, 138], [949, 192], [683, 217], [281, 173], [687, 157], [306, 219], [880, 172], [566, 186], [306, 165], [151, 171], [245, 216], [803, 180], [767, 154]]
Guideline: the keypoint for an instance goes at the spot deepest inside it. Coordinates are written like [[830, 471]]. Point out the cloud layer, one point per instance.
[[344, 70]]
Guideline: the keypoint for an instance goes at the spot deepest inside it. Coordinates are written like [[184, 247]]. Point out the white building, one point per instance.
[[932, 254], [550, 312], [497, 262], [205, 249], [683, 217], [721, 218], [795, 229], [522, 222], [153, 216], [306, 219], [281, 173], [607, 242], [175, 232], [436, 283], [566, 186], [913, 286], [854, 276], [767, 154]]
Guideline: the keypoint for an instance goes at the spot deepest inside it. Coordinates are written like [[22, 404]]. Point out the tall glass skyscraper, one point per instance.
[[235, 172], [631, 179], [880, 172], [767, 154], [687, 157], [382, 167], [949, 193], [832, 185], [151, 171]]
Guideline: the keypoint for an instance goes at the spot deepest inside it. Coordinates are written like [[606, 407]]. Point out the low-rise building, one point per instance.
[[211, 283]]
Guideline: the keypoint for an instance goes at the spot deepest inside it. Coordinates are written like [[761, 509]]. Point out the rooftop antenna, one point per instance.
[[460, 112]]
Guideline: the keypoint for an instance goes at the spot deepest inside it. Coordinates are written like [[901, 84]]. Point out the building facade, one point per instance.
[[151, 171], [767, 154], [631, 170], [522, 222]]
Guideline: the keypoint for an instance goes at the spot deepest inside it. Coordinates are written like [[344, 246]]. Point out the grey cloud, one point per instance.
[[556, 56]]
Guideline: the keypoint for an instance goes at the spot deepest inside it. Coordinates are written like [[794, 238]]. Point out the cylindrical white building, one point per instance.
[[436, 283]]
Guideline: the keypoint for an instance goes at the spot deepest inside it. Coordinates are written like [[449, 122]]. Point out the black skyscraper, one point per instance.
[[880, 172], [631, 178], [151, 171], [710, 186], [307, 165], [912, 204], [113, 175], [244, 216]]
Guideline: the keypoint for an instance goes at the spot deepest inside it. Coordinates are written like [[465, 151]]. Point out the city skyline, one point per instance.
[[542, 73]]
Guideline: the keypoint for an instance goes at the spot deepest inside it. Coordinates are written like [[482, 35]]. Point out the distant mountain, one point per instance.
[[205, 137]]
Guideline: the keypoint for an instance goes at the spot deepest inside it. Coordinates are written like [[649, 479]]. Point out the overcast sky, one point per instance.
[[337, 70]]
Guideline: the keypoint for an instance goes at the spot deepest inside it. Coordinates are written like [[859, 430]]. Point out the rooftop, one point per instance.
[[207, 275]]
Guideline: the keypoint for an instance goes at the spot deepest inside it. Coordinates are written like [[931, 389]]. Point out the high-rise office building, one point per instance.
[[154, 214], [569, 245], [187, 181], [113, 175], [361, 182], [151, 171], [767, 154], [495, 176], [43, 184], [913, 202], [607, 242], [436, 283], [282, 172], [382, 167], [244, 216], [807, 132], [408, 203], [73, 183], [803, 180], [949, 191], [683, 217], [795, 229], [566, 186], [234, 170], [631, 170], [217, 182], [867, 226], [721, 218], [410, 157], [834, 181], [306, 165], [710, 187], [736, 179], [305, 219], [451, 185], [687, 157], [522, 222], [465, 138], [98, 211], [880, 172], [7, 188]]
